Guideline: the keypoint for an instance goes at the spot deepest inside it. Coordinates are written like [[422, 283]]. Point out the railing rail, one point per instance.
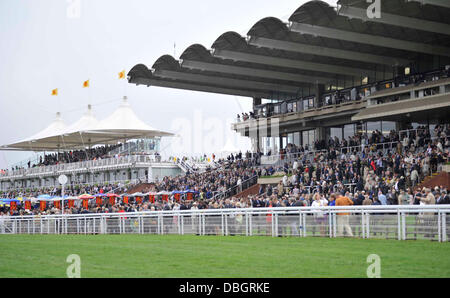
[[234, 190], [83, 165], [430, 222]]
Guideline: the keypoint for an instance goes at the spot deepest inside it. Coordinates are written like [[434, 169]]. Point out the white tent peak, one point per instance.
[[123, 124], [87, 122], [56, 127], [123, 119], [229, 147]]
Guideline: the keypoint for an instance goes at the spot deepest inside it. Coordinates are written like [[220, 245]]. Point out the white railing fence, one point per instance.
[[85, 165], [381, 222]]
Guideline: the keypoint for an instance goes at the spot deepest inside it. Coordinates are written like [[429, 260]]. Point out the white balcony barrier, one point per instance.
[[382, 222]]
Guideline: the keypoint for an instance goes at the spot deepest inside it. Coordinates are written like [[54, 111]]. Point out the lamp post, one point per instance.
[[62, 180]]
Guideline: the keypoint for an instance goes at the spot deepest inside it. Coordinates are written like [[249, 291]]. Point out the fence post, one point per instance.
[[304, 224], [444, 227], [203, 225], [368, 225], [246, 223], [182, 224], [363, 225], [276, 224], [250, 222], [399, 225], [300, 223], [439, 227], [330, 224], [273, 223], [403, 226], [226, 224]]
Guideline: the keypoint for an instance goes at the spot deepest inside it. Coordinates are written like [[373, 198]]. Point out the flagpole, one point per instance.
[[89, 92]]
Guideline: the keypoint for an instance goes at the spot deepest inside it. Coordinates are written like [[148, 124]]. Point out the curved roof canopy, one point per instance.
[[318, 45], [121, 125], [41, 139]]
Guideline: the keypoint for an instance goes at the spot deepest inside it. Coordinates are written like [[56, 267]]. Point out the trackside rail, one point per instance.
[[380, 222]]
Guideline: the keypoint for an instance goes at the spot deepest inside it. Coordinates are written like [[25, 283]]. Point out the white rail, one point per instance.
[[385, 222], [83, 166]]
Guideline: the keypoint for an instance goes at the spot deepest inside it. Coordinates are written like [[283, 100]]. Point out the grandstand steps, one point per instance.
[[253, 190], [437, 179]]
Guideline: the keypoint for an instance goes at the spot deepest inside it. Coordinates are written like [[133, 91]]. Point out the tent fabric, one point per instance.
[[40, 139], [122, 124]]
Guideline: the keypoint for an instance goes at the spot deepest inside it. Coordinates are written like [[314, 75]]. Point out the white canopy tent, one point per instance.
[[124, 122], [120, 126], [41, 140], [228, 149]]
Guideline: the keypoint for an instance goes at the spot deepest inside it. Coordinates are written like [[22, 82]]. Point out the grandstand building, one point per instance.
[[130, 153], [327, 72]]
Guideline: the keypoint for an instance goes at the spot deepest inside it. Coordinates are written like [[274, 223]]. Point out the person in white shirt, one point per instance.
[[319, 215], [295, 165]]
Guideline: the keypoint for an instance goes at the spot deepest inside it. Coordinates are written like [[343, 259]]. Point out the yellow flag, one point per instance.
[[86, 84], [122, 75], [54, 92]]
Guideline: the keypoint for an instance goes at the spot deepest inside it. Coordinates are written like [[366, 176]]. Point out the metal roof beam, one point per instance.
[[254, 72], [325, 51], [395, 20], [442, 3], [374, 40], [290, 63], [224, 81], [202, 88]]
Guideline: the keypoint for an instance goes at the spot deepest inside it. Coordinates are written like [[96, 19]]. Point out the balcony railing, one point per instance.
[[83, 165]]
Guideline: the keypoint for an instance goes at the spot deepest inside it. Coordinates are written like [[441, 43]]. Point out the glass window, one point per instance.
[[336, 132], [305, 105], [387, 127], [309, 136], [297, 139], [289, 107], [349, 131], [277, 109], [372, 126]]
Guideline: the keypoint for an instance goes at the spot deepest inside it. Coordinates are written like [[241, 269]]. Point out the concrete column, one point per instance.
[[321, 133], [256, 102], [319, 89]]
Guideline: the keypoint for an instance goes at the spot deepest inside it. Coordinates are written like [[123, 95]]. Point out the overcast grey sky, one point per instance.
[[45, 46]]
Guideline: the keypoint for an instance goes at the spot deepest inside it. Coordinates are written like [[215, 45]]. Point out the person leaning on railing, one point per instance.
[[343, 217]]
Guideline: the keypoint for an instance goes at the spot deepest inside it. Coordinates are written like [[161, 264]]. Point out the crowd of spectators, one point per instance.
[[51, 159], [366, 177], [356, 93], [75, 156]]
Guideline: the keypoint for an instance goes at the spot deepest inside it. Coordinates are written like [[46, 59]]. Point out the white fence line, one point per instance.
[[385, 222]]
